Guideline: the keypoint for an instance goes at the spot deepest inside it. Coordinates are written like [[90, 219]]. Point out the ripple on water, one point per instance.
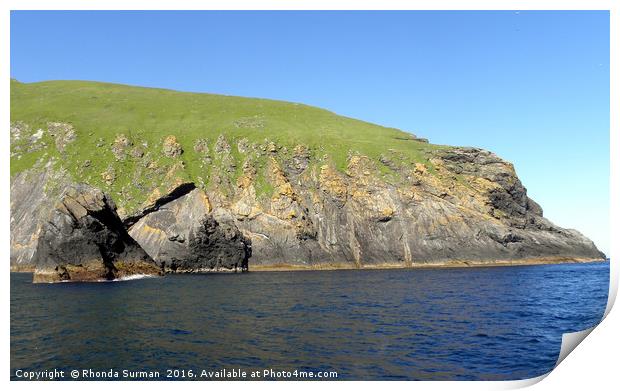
[[449, 324]]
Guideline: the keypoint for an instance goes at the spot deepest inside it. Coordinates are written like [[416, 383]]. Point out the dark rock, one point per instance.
[[83, 239], [184, 235], [213, 247]]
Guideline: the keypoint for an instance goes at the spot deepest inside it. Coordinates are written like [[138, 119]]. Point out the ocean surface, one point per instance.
[[493, 323]]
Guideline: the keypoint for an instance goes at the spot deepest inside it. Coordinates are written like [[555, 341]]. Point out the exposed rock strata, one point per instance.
[[465, 205], [75, 234], [209, 180], [471, 208], [31, 203], [184, 235]]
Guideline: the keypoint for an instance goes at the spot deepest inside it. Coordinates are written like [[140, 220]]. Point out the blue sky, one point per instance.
[[531, 86]]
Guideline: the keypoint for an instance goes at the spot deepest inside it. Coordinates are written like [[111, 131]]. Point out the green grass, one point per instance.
[[147, 115]]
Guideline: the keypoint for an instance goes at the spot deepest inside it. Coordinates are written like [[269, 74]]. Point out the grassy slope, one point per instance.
[[102, 110]]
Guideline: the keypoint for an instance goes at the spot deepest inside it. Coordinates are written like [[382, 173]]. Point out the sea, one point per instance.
[[484, 323]]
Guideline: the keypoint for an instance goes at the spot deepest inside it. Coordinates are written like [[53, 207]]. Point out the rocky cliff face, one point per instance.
[[72, 233], [213, 183], [472, 208], [185, 235], [467, 205], [29, 207]]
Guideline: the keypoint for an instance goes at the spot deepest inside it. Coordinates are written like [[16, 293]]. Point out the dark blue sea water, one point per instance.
[[449, 324]]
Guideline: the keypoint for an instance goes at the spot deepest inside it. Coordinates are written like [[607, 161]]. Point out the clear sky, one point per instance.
[[531, 86]]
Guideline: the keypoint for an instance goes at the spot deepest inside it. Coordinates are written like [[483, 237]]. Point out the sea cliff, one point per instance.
[[155, 181]]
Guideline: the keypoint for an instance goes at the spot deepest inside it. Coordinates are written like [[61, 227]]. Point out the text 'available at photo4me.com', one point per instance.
[[173, 374]]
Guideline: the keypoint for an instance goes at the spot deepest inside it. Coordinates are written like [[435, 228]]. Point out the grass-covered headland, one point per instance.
[[131, 140]]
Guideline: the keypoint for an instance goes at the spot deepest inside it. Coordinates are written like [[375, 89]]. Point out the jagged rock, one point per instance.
[[249, 167], [420, 169], [30, 203], [221, 145], [356, 220], [472, 207], [300, 160], [119, 146], [243, 145], [201, 146], [157, 200], [184, 235], [214, 246], [24, 139], [16, 130], [272, 147], [36, 136], [137, 152], [509, 196], [109, 175], [171, 147], [83, 239], [228, 163], [64, 231]]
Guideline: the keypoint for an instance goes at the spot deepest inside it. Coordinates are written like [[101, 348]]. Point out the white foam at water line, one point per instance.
[[134, 277]]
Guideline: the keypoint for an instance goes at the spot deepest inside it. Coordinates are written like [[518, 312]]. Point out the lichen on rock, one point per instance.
[[109, 175], [171, 147]]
